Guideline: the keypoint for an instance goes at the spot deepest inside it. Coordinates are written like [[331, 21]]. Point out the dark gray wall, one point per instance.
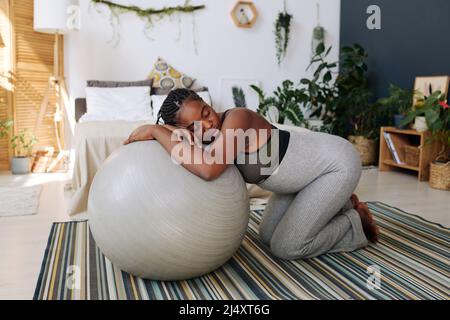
[[414, 39]]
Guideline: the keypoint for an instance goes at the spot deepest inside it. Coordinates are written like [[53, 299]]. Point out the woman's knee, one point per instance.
[[289, 250], [265, 233]]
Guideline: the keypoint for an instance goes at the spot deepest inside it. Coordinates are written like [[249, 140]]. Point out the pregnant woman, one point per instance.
[[312, 175]]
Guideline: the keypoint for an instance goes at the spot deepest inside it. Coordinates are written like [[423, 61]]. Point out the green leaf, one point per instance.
[[327, 77], [320, 48]]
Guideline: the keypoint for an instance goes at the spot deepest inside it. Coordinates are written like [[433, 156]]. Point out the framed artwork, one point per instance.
[[237, 93], [428, 85]]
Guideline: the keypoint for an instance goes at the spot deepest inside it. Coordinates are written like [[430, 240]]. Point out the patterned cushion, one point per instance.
[[167, 78]]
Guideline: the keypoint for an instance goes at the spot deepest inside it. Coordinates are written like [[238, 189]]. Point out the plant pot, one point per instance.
[[420, 124], [20, 165], [398, 118], [315, 124], [440, 175], [366, 148]]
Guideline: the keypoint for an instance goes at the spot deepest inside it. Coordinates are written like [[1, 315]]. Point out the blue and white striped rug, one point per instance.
[[411, 261]]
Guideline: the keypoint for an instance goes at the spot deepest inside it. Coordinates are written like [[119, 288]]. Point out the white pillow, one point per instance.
[[158, 99], [121, 103]]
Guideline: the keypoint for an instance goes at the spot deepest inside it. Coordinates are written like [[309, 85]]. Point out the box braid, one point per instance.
[[173, 103]]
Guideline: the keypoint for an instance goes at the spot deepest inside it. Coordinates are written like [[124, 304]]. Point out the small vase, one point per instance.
[[420, 124], [20, 165], [398, 118]]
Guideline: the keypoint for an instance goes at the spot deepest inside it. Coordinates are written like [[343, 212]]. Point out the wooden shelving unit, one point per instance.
[[402, 137]]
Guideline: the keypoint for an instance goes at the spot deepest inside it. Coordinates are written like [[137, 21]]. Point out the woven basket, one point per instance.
[[366, 148], [440, 175], [412, 155]]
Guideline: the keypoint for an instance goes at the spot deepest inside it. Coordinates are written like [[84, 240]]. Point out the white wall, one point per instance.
[[224, 51]]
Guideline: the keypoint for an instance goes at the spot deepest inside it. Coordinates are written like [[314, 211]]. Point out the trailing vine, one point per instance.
[[282, 33], [186, 8], [148, 14]]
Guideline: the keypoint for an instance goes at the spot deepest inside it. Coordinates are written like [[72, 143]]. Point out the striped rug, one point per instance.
[[411, 261]]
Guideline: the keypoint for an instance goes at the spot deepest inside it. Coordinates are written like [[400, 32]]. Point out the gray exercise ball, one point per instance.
[[154, 219]]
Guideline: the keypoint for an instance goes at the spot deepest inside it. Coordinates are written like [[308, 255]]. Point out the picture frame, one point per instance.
[[234, 90], [429, 84]]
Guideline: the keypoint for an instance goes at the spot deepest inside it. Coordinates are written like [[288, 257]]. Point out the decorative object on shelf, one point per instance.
[[398, 104], [420, 124], [165, 77], [287, 100], [318, 35], [282, 33], [148, 15], [244, 14], [425, 86], [412, 155], [238, 93]]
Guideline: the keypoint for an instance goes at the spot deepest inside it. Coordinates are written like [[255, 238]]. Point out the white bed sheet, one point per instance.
[[94, 142]]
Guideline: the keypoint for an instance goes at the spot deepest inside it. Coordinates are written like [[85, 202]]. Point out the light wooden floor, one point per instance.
[[23, 239]]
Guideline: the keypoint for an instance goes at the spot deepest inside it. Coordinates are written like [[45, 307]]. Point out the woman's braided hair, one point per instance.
[[173, 103]]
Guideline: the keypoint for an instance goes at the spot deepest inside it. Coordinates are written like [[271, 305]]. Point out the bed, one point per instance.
[[94, 142]]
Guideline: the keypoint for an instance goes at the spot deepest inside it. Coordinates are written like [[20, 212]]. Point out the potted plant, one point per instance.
[[398, 104], [349, 113], [22, 143], [287, 100], [436, 112], [320, 90]]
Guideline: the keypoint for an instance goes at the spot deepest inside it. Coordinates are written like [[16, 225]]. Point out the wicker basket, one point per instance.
[[412, 155], [440, 175], [366, 148]]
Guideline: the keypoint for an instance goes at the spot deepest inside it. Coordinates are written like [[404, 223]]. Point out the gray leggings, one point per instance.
[[310, 212]]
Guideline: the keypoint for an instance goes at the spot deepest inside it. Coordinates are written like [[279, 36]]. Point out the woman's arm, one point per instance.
[[238, 119]]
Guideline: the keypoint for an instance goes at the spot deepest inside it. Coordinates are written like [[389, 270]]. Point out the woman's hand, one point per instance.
[[142, 133]]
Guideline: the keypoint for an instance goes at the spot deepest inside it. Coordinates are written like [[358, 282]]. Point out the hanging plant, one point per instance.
[[318, 36], [146, 14], [282, 32]]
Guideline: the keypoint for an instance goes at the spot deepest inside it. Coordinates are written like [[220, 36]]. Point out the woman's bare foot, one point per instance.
[[368, 223], [355, 200]]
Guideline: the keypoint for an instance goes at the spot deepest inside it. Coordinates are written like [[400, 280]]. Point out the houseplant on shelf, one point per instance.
[[436, 111], [22, 144], [287, 100], [398, 104]]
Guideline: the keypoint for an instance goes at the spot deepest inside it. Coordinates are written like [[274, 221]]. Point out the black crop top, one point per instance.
[[257, 166]]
